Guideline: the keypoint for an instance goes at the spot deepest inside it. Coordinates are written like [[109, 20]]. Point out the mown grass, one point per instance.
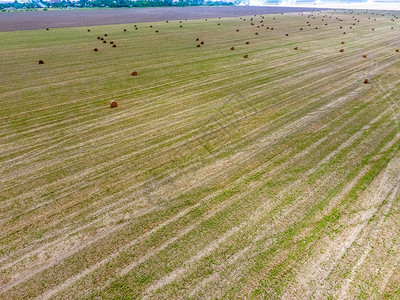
[[207, 150]]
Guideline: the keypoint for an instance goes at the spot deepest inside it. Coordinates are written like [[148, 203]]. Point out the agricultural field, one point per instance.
[[273, 176]]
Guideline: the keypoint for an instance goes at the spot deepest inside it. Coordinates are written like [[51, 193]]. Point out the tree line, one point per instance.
[[45, 5]]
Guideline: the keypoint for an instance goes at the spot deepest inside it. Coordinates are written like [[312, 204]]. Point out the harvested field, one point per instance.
[[276, 176]]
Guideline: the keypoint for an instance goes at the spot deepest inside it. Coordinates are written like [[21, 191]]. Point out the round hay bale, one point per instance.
[[41, 62], [245, 56], [47, 29], [342, 43], [136, 28], [114, 46], [365, 55], [301, 28], [316, 27], [237, 30], [296, 48], [105, 34], [166, 21], [287, 34], [95, 49], [134, 73], [232, 48], [104, 42], [198, 45], [397, 50], [180, 26], [88, 30], [180, 21], [111, 42], [341, 50], [256, 33], [197, 39], [101, 39], [202, 43], [113, 104], [134, 25], [151, 26], [156, 31], [124, 29], [373, 28], [247, 43], [219, 24], [344, 32], [366, 81], [98, 37], [206, 19]]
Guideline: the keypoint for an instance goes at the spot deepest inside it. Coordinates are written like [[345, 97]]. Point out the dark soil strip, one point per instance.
[[90, 17]]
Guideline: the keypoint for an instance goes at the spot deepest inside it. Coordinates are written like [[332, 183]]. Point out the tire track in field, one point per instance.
[[319, 275], [262, 235], [323, 110], [346, 144], [343, 294]]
